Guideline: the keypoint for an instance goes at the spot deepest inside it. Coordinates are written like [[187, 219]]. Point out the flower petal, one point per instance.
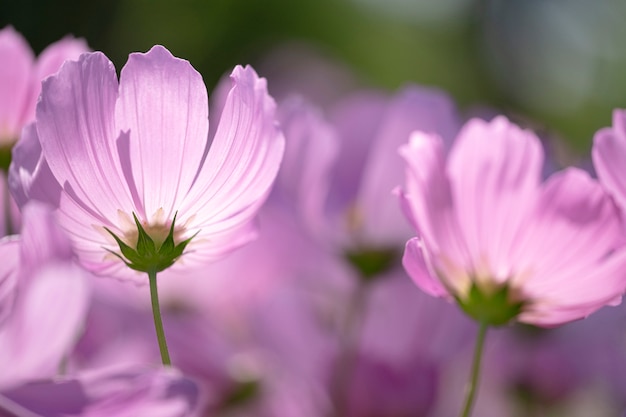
[[110, 392], [428, 204], [78, 137], [494, 170], [568, 250], [16, 80], [609, 157], [416, 265], [30, 177], [311, 149], [426, 110], [164, 105], [242, 162], [10, 250]]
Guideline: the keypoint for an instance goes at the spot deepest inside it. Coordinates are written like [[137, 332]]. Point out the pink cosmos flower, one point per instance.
[[140, 147], [499, 241], [21, 75], [43, 299]]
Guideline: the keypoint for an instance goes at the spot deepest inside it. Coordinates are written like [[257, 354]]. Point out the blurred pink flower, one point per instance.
[[21, 76], [609, 157], [496, 239], [129, 392], [141, 147], [43, 299]]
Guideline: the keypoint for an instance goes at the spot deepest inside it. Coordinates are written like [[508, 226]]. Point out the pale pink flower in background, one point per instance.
[[609, 157], [21, 76], [371, 127], [20, 83], [140, 146], [487, 225], [43, 299]]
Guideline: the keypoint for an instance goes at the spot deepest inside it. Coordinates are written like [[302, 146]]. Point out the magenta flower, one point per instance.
[[21, 75], [140, 148], [500, 242]]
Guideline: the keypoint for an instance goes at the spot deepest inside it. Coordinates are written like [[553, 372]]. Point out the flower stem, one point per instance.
[[473, 382], [156, 313]]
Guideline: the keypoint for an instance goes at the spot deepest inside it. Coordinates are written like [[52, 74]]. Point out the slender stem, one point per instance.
[[473, 382], [349, 342], [158, 324], [8, 218]]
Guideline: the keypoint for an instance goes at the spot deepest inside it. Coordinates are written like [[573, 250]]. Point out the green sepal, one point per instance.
[[6, 156], [145, 244], [370, 263], [147, 257], [495, 306]]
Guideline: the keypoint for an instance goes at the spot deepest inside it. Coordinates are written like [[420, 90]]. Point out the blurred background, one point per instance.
[[559, 64]]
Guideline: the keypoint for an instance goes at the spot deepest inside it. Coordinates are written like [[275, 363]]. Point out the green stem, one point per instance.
[[156, 313], [473, 382], [8, 218], [349, 343]]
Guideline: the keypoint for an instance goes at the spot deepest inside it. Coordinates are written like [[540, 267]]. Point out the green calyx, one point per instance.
[[149, 256], [5, 157], [494, 306], [371, 263]]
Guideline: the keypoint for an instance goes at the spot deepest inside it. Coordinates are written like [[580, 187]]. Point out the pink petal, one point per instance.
[[115, 392], [50, 302], [242, 162], [422, 109], [78, 136], [29, 174], [55, 54], [494, 170], [356, 120], [565, 257], [415, 264], [16, 80], [9, 248], [311, 149], [428, 204], [609, 157], [48, 314], [48, 63], [164, 106]]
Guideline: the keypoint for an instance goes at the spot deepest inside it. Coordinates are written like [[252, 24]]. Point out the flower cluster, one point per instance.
[[271, 246]]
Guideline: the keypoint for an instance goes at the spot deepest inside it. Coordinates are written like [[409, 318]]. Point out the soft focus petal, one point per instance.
[[49, 304], [49, 62], [494, 170], [48, 314], [163, 104], [311, 149], [414, 108], [428, 204], [356, 120], [609, 157], [119, 393], [241, 164], [416, 266], [566, 258], [10, 251], [30, 177], [16, 79]]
